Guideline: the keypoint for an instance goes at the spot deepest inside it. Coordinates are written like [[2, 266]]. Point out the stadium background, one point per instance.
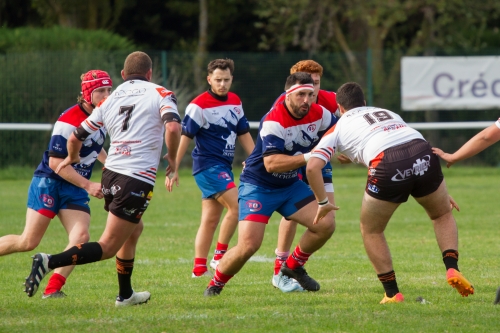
[[38, 86]]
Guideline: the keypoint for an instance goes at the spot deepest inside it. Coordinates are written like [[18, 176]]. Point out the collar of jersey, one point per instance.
[[84, 111], [217, 97], [136, 77], [291, 114]]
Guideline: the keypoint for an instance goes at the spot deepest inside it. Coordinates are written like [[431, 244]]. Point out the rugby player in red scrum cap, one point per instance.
[[66, 194]]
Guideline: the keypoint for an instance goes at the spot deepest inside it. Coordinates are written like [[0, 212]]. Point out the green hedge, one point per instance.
[[58, 39], [40, 78]]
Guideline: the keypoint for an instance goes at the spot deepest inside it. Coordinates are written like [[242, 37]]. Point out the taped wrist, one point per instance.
[[323, 202]]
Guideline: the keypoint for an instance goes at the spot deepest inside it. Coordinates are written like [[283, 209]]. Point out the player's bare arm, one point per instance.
[[74, 145], [102, 156], [283, 163], [315, 179], [343, 159], [172, 140], [246, 142], [73, 177], [476, 144], [171, 172]]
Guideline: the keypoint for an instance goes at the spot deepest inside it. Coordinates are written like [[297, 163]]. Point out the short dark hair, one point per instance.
[[350, 95], [298, 77], [138, 63], [220, 64]]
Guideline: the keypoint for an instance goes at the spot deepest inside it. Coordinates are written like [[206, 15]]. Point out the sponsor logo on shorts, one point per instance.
[[57, 147], [237, 110], [115, 189], [373, 188], [419, 168], [254, 205], [140, 194], [371, 171], [105, 191], [224, 175], [47, 200], [129, 212], [150, 195]]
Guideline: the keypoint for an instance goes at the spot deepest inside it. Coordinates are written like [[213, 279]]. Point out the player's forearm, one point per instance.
[[69, 174], [315, 178], [102, 156], [172, 138], [478, 143], [73, 146], [247, 143], [283, 163], [183, 146]]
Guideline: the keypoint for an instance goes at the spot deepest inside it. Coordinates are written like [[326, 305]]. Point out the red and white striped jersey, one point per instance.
[[133, 116], [363, 133]]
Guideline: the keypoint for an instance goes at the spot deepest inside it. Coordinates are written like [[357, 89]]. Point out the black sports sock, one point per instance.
[[450, 259], [80, 254], [389, 282], [124, 268]]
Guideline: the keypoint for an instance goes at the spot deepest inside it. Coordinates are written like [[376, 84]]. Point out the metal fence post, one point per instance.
[[164, 67], [369, 83]]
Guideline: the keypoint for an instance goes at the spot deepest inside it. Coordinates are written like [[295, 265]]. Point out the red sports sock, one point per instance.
[[56, 282], [297, 259], [200, 266], [220, 250], [280, 258], [219, 279]]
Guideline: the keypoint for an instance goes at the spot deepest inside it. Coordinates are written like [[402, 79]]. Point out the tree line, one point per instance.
[[418, 26]]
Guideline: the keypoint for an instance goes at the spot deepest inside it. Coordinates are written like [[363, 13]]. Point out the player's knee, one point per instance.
[[249, 248], [137, 231], [232, 214], [109, 250], [82, 236], [329, 230], [211, 223], [28, 244], [327, 226], [367, 229]]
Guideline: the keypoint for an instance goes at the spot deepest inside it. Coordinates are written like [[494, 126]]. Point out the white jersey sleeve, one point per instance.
[[326, 120], [134, 115], [363, 133]]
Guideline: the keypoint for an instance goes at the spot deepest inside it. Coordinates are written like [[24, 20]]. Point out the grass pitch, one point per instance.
[[349, 295]]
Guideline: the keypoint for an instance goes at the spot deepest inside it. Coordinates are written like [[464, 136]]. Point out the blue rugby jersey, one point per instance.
[[281, 133], [64, 126], [214, 122]]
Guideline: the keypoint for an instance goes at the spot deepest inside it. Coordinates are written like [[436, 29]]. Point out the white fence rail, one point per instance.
[[428, 126], [255, 125]]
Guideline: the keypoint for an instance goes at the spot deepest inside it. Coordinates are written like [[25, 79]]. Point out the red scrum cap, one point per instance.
[[93, 80]]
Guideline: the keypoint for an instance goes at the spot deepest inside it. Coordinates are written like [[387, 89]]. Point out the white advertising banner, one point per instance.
[[450, 83]]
